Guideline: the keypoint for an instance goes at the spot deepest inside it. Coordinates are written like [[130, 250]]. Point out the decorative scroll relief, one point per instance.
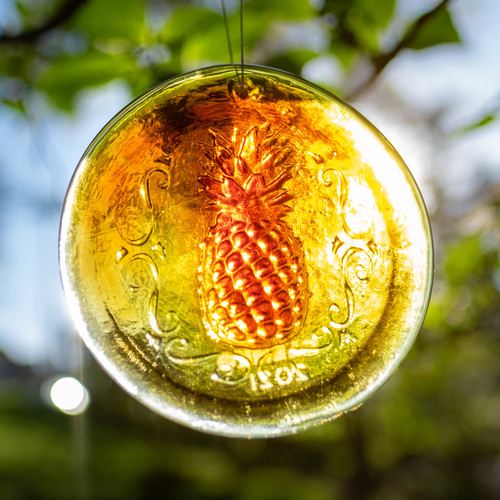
[[289, 190], [354, 252], [184, 353], [135, 219], [356, 269], [138, 255]]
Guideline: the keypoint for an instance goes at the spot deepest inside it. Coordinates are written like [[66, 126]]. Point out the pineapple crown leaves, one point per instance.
[[241, 188]]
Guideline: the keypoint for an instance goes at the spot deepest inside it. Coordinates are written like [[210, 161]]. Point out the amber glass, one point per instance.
[[247, 262]]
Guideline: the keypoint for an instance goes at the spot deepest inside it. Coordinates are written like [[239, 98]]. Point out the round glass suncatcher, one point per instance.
[[245, 263]]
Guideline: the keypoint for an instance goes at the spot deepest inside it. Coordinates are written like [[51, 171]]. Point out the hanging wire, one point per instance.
[[242, 45], [241, 91], [228, 36]]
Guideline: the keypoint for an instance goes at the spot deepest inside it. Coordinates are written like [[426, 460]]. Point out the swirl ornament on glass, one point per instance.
[[247, 264]]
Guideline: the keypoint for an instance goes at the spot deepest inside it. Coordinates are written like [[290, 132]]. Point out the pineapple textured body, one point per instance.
[[253, 279], [253, 283]]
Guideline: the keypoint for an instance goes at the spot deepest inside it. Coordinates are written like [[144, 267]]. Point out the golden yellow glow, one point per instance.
[[145, 252]]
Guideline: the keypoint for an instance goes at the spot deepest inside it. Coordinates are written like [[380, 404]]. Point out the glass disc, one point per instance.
[[245, 263]]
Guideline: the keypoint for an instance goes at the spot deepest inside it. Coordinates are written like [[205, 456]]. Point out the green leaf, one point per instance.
[[113, 19], [344, 52], [17, 104], [365, 31], [67, 75], [22, 9], [438, 30], [485, 120], [209, 45], [187, 22], [207, 41], [366, 19], [378, 14]]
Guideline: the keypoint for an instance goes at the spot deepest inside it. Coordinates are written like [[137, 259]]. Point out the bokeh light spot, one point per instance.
[[69, 395]]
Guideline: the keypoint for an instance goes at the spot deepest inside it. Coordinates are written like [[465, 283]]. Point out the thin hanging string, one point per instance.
[[242, 45], [228, 36], [241, 91]]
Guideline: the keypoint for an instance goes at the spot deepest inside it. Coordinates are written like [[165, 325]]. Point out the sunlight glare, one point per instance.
[[69, 396]]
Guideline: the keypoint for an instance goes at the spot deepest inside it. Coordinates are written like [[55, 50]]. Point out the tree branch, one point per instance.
[[65, 12], [381, 61]]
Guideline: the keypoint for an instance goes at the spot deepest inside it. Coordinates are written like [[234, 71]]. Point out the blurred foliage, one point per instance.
[[484, 120], [433, 432], [439, 29], [147, 42]]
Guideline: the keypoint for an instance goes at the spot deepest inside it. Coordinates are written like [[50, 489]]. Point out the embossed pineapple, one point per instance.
[[253, 280]]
